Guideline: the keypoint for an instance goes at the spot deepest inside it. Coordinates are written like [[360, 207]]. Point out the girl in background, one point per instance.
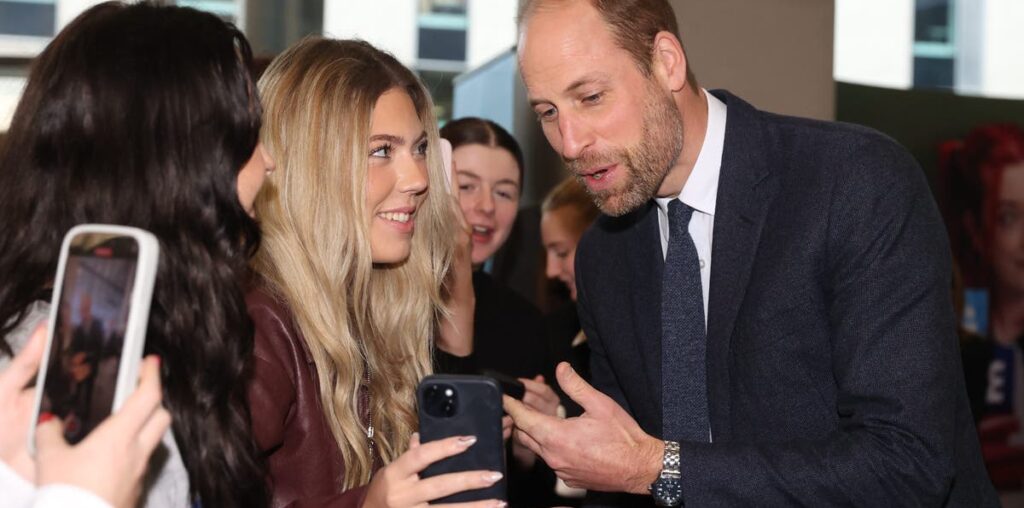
[[508, 331]]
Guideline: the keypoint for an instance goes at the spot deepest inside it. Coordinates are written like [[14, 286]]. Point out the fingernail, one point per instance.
[[500, 504], [45, 417], [493, 476], [157, 359], [467, 440]]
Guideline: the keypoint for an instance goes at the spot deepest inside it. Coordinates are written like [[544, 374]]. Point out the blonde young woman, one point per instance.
[[359, 233]]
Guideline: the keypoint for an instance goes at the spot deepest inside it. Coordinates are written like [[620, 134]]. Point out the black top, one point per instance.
[[508, 332]]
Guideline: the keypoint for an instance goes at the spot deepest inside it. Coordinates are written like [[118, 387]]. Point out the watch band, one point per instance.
[[670, 461], [667, 490]]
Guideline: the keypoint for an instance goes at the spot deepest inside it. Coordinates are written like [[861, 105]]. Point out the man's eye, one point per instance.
[[546, 114], [593, 98]]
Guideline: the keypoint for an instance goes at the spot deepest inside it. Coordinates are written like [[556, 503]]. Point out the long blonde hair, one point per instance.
[[318, 100]]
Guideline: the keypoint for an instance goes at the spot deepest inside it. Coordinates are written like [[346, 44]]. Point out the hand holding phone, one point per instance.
[[97, 326], [110, 461], [16, 403], [464, 406], [400, 483]]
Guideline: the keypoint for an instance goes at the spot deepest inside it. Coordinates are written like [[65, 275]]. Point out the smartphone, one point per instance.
[[452, 405], [509, 385], [98, 320]]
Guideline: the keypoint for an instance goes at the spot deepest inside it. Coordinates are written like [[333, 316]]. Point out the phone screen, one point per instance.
[[88, 335]]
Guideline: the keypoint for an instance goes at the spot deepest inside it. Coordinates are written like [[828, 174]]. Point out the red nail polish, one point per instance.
[[45, 417]]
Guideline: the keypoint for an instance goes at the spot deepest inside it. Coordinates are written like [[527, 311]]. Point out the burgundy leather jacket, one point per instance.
[[304, 461]]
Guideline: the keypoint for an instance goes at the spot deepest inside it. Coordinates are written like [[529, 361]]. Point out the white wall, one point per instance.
[[11, 88], [387, 24], [491, 29], [1003, 58], [874, 42], [67, 10], [776, 54]]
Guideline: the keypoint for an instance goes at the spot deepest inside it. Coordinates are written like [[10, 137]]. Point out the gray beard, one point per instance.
[[646, 164]]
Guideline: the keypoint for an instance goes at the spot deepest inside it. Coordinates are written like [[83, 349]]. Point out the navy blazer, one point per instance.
[[833, 371]]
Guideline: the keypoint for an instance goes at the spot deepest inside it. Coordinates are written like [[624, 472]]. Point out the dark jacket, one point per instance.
[[833, 374]]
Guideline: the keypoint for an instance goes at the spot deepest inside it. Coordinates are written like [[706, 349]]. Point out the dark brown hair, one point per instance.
[[478, 131]]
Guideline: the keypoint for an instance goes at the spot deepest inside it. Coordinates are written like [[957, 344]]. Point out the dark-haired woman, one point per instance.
[[147, 116]]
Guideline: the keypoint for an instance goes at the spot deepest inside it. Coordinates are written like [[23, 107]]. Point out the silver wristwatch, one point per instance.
[[667, 490]]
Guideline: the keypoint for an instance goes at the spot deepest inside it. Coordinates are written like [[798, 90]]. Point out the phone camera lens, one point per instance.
[[441, 401]]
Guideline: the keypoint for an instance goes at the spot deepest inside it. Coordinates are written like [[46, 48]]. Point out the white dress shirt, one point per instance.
[[700, 193]]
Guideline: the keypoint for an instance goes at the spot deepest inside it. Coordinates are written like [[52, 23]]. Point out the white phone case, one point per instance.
[[138, 315]]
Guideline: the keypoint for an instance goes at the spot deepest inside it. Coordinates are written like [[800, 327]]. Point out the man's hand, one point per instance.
[[603, 449], [111, 461]]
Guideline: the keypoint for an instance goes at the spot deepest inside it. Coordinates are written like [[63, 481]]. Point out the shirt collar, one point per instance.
[[701, 189]]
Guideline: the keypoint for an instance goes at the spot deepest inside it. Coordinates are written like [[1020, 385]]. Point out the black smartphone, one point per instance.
[[509, 385], [464, 406]]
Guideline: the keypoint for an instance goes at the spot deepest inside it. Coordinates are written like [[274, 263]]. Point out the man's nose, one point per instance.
[[576, 136]]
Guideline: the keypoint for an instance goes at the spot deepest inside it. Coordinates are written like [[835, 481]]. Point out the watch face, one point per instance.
[[667, 492]]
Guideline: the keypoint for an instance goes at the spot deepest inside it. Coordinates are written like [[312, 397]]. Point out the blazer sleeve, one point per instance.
[[894, 359]]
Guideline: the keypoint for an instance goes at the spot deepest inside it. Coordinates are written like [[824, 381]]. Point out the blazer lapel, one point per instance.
[[744, 193], [645, 287]]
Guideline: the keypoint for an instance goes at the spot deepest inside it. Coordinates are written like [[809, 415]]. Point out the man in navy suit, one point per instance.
[[826, 371]]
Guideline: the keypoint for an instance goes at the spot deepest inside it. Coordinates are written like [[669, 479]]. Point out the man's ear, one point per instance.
[[669, 61]]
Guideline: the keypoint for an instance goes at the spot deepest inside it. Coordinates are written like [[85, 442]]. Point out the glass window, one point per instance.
[[443, 7], [28, 17], [934, 44]]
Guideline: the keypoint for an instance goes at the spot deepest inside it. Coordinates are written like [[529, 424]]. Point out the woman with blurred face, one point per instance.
[[566, 213], [986, 171], [359, 239]]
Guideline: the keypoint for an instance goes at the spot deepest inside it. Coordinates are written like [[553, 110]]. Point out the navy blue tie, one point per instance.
[[683, 335]]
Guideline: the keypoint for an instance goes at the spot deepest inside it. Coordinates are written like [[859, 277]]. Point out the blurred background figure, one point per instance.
[[984, 201]]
